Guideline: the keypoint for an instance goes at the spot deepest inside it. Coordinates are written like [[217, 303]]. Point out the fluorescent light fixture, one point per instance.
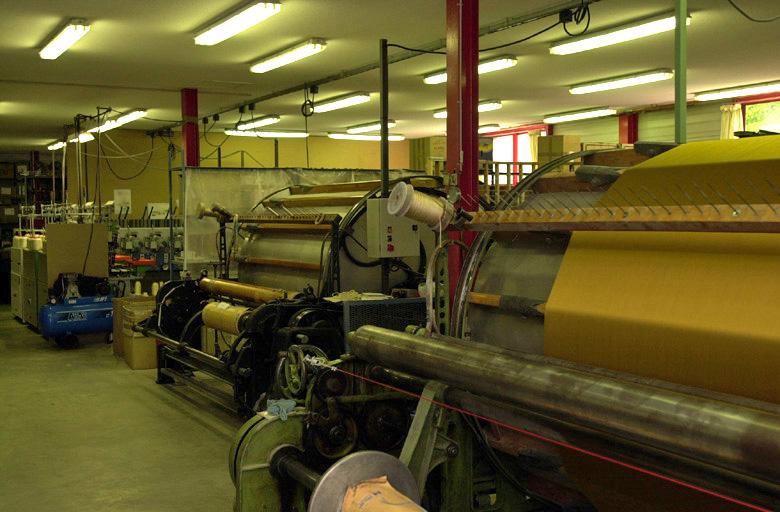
[[55, 146], [266, 134], [629, 32], [486, 66], [288, 56], [370, 127], [118, 121], [83, 137], [738, 92], [355, 136], [67, 37], [621, 82], [257, 123], [338, 102], [236, 22], [487, 128], [483, 106], [579, 115]]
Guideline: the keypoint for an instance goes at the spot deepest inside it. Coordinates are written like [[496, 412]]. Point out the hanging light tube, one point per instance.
[[266, 134], [82, 137], [236, 22], [622, 82], [357, 136], [483, 106], [348, 100], [579, 115], [288, 56], [55, 146], [370, 127], [67, 37], [486, 66], [118, 121], [629, 32], [738, 92], [487, 128], [257, 123]]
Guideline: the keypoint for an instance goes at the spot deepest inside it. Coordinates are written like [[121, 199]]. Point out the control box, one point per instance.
[[389, 236]]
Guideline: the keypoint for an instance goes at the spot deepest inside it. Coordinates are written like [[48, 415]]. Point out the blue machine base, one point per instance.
[[76, 316]]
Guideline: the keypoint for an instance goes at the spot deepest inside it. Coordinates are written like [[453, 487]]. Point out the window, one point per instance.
[[763, 116]]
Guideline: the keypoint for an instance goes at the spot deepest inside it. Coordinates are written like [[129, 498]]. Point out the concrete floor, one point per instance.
[[80, 431]]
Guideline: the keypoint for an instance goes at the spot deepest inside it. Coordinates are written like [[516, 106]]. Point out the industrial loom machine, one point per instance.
[[294, 251], [613, 344]]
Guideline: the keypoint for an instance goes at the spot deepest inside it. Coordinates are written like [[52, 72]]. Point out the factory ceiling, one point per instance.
[[140, 53]]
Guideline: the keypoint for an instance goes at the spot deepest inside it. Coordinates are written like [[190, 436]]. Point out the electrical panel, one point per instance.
[[390, 236]]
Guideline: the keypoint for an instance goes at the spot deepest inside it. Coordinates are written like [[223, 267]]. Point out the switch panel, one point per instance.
[[390, 236]]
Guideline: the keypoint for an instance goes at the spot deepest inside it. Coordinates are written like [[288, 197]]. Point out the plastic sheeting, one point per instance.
[[239, 190]]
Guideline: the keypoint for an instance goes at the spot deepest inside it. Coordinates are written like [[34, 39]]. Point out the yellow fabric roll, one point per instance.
[[699, 309], [223, 316]]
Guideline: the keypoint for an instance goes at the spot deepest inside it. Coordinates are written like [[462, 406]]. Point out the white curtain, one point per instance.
[[731, 120]]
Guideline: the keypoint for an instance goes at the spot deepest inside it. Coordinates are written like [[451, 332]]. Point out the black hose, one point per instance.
[[183, 337]]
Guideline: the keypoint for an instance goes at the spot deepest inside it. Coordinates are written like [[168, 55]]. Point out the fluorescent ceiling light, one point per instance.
[[120, 120], [236, 22], [338, 102], [486, 66], [257, 123], [636, 30], [67, 37], [266, 134], [487, 128], [483, 106], [288, 56], [582, 114], [621, 82], [55, 146], [355, 136], [370, 127], [83, 137], [738, 92]]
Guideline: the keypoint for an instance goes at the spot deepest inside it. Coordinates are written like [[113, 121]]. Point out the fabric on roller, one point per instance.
[[223, 316], [699, 309]]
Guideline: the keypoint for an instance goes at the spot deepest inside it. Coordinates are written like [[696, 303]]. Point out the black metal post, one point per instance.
[[385, 144], [171, 239], [276, 153]]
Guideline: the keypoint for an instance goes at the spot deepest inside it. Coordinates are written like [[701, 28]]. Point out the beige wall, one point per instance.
[[152, 184]]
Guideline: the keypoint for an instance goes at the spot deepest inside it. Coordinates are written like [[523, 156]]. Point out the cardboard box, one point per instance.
[[139, 352]]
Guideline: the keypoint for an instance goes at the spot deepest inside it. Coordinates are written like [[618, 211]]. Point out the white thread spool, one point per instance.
[[34, 243], [137, 288], [155, 289], [405, 201]]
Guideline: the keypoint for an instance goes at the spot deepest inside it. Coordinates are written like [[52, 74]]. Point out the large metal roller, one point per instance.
[[730, 435]]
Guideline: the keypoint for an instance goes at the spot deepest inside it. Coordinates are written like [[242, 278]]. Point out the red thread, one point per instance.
[[564, 444]]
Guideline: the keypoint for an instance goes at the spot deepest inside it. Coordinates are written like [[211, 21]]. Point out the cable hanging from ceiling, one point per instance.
[[744, 13]]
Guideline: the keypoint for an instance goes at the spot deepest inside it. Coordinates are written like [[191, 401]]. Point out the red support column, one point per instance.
[[462, 116], [189, 130], [628, 128]]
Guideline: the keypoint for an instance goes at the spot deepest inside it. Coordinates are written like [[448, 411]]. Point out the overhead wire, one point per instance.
[[744, 13]]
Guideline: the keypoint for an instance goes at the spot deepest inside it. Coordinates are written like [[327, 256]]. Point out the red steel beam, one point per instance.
[[628, 128], [462, 116], [189, 131]]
